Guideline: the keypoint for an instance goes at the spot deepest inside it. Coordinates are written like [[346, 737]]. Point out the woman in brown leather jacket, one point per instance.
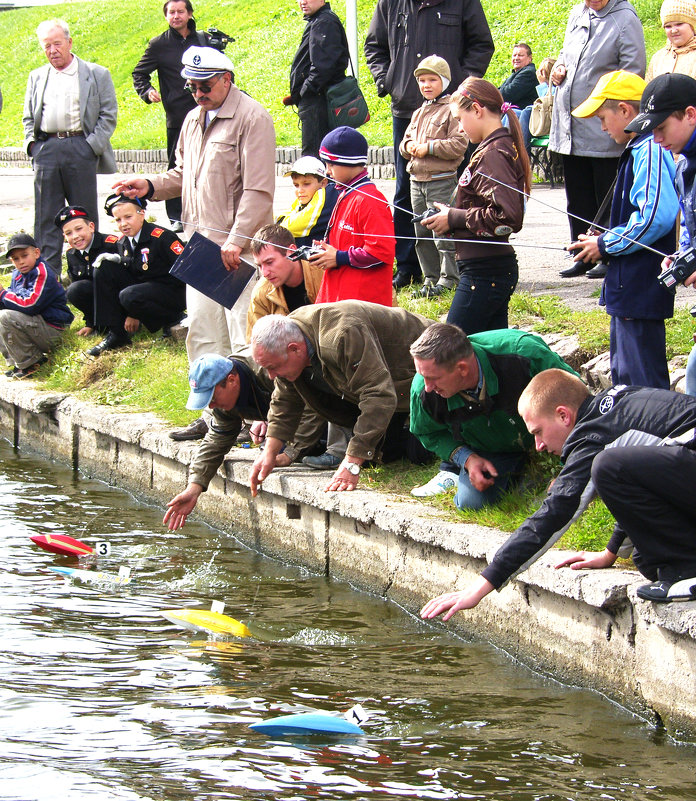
[[489, 207]]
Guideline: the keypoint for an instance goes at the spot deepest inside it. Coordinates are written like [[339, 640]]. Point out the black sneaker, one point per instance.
[[30, 370], [195, 430], [657, 591], [111, 341], [11, 372]]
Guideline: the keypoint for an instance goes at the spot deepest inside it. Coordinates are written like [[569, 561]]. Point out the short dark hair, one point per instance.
[[444, 343], [524, 46], [189, 7], [274, 235]]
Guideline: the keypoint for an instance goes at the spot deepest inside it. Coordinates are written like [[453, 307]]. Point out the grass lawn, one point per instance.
[[267, 34]]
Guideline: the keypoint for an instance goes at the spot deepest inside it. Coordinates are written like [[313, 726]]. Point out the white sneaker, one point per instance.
[[439, 483]]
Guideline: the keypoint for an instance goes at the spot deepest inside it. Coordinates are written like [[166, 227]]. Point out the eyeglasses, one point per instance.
[[194, 87]]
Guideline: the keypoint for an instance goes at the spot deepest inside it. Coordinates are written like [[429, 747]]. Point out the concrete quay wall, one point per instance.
[[585, 628]]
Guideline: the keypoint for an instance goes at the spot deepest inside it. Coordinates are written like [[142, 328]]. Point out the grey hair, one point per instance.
[[444, 343], [49, 24], [274, 333]]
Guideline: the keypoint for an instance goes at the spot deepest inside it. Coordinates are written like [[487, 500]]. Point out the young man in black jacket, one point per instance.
[[321, 61], [163, 55], [633, 446]]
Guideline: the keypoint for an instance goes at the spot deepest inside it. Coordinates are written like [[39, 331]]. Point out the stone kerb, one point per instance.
[[582, 627]]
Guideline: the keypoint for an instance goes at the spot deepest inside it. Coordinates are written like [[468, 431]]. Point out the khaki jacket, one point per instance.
[[266, 299], [361, 358], [433, 124], [225, 174], [673, 59]]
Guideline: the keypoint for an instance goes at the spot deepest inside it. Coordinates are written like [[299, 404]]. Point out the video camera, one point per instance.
[[679, 270], [218, 39], [304, 252]]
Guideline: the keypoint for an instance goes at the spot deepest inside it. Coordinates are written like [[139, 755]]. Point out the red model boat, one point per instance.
[[62, 544]]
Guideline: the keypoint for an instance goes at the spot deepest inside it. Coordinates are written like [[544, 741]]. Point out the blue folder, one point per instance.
[[200, 265]]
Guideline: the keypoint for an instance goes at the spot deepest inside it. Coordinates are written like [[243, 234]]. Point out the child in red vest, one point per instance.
[[358, 258]]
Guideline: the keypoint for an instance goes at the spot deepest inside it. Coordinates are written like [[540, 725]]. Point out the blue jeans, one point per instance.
[[481, 300], [508, 465]]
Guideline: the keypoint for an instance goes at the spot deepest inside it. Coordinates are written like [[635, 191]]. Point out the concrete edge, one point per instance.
[[586, 628]]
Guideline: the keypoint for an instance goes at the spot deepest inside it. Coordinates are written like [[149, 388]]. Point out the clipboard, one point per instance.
[[200, 265]]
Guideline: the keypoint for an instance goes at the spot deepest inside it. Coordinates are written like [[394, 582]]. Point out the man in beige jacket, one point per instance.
[[225, 175]]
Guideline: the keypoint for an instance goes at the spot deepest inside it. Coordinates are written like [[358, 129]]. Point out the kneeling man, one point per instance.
[[464, 407]]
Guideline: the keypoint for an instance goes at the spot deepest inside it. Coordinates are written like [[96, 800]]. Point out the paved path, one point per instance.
[[545, 225]]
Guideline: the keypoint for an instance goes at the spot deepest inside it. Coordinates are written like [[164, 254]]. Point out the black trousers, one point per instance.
[[173, 205], [81, 295], [406, 259], [117, 296], [648, 490], [314, 120], [587, 181]]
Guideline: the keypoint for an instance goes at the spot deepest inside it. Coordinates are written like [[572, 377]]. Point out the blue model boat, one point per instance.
[[307, 723]]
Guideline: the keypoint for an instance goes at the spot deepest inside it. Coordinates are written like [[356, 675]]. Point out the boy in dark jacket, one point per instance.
[[643, 212], [86, 245], [34, 311]]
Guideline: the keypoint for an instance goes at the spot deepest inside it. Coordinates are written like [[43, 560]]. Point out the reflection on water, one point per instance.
[[101, 698]]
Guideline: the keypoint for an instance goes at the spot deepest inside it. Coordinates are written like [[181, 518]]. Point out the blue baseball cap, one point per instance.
[[205, 374]]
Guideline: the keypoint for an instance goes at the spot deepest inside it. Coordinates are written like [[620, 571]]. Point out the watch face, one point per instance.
[[353, 468]]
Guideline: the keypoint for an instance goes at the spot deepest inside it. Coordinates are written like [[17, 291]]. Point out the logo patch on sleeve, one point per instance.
[[177, 247], [111, 238], [157, 232]]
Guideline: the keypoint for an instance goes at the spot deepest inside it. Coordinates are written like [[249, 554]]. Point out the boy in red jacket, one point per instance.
[[358, 258]]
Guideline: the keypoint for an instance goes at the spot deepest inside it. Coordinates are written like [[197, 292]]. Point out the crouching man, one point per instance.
[[464, 407], [633, 446], [234, 389], [349, 362]]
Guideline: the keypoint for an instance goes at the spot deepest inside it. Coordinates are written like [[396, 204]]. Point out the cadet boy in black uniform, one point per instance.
[[138, 288], [86, 244]]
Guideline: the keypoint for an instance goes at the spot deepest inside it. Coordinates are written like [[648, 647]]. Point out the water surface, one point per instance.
[[101, 698]]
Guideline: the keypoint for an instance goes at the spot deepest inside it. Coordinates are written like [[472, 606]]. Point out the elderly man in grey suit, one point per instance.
[[69, 117]]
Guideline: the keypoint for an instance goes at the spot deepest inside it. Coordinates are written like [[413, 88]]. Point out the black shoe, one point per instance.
[[111, 341], [579, 268], [11, 372], [30, 370], [167, 329], [195, 430], [401, 280], [432, 291], [598, 271]]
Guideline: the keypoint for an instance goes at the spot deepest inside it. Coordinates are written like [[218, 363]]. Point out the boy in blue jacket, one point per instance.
[[644, 211], [33, 311]]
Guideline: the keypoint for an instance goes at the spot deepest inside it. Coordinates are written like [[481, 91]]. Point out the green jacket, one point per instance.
[[361, 359], [489, 423]]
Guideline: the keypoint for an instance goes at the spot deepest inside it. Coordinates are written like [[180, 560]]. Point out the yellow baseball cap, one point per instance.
[[619, 85]]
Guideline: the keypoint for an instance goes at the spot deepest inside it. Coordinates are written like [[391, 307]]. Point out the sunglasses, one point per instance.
[[204, 88]]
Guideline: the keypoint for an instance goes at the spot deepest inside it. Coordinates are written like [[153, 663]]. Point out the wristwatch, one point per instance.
[[351, 467]]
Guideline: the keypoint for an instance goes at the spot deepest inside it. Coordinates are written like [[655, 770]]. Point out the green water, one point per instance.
[[101, 698]]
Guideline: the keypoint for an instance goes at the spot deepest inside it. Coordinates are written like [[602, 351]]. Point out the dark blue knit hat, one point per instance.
[[344, 145]]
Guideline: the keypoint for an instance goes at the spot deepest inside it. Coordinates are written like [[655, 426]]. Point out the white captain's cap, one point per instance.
[[201, 63]]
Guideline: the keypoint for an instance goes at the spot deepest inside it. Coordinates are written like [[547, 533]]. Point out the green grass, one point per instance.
[[267, 34]]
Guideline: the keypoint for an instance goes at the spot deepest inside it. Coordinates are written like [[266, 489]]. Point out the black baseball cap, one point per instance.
[[116, 200], [20, 241], [662, 96], [71, 213]]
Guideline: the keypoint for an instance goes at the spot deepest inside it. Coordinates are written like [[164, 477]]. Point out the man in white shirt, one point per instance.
[[69, 117]]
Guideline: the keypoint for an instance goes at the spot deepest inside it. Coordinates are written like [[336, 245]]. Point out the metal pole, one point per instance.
[[352, 33]]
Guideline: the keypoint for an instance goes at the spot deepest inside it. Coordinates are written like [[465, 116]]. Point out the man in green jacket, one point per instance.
[[464, 407], [350, 363]]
